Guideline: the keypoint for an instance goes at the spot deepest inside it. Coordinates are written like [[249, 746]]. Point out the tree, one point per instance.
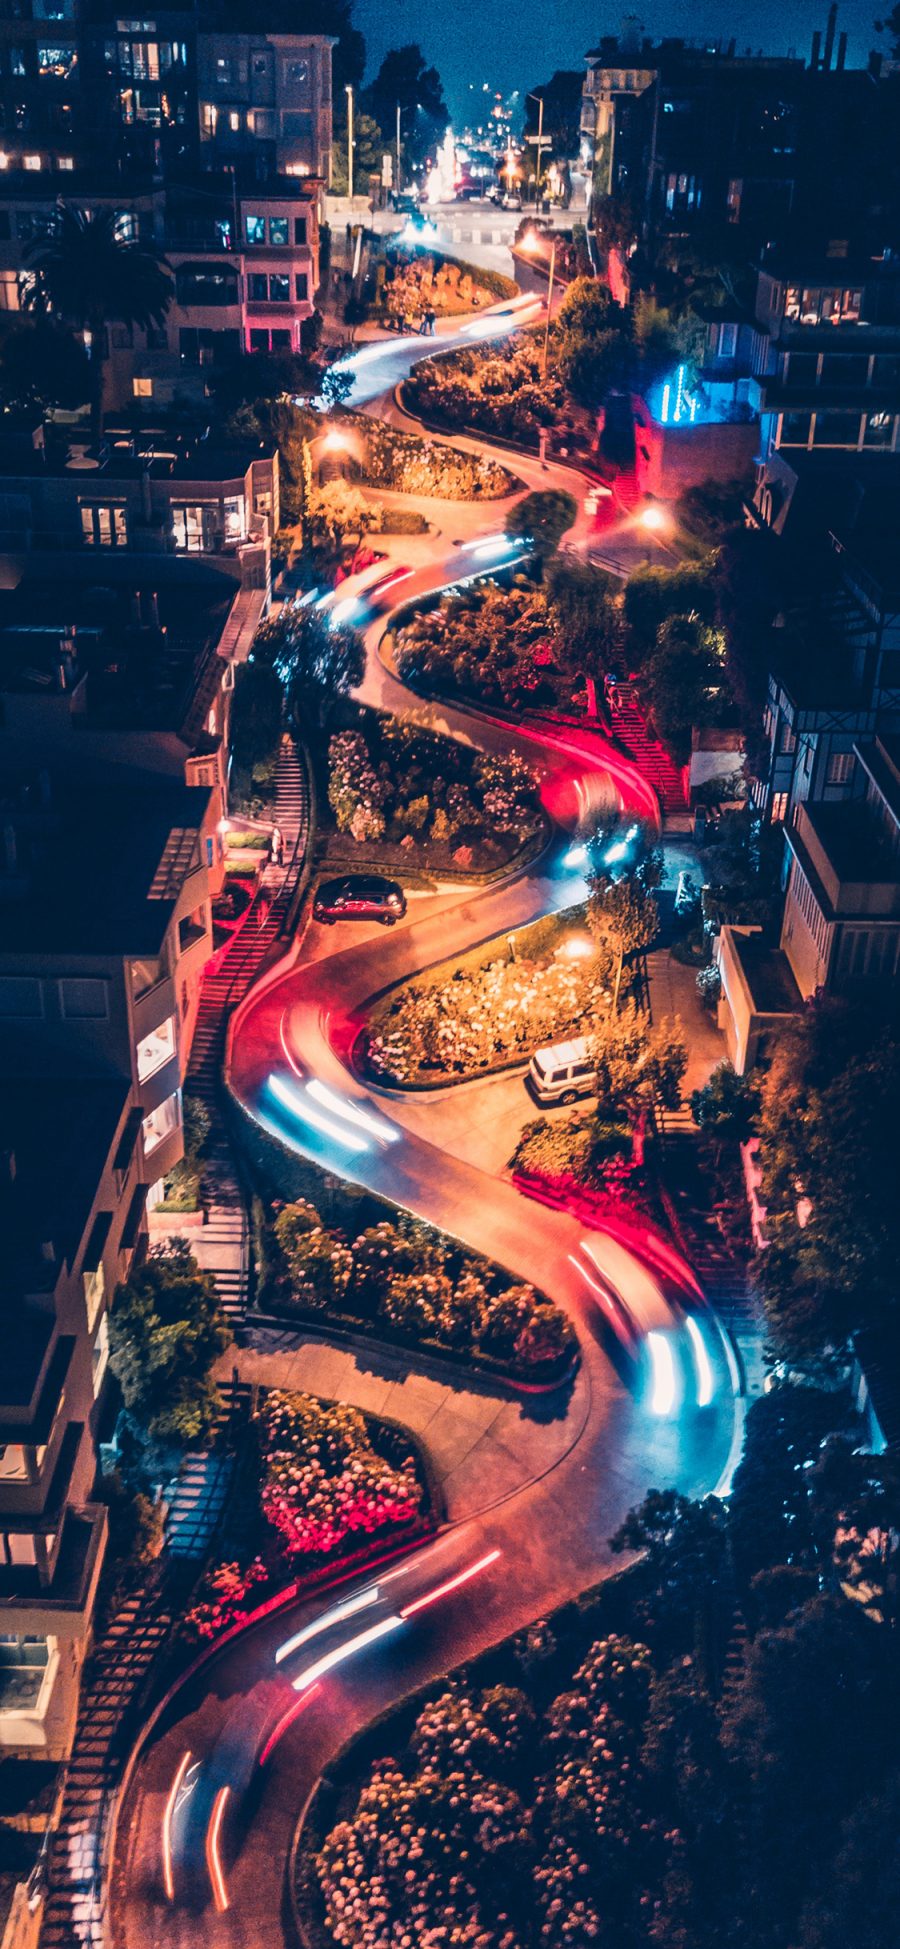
[[652, 595], [681, 678], [338, 512], [42, 364], [544, 518], [318, 663], [404, 78], [710, 510], [687, 1568], [831, 1165], [368, 148], [561, 96], [256, 713], [725, 1108], [639, 1066], [587, 606], [88, 271], [166, 1332], [857, 1899], [624, 920]]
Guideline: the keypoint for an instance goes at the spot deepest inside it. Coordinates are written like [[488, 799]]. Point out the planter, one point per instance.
[[428, 1354], [168, 1219]]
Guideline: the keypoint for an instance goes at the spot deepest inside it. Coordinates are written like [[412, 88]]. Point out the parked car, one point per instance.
[[562, 1072], [359, 896]]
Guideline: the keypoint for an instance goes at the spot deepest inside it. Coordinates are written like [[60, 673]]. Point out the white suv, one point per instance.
[[563, 1072]]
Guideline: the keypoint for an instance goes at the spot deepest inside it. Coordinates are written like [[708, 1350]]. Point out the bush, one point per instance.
[[324, 1480], [391, 778], [543, 517]]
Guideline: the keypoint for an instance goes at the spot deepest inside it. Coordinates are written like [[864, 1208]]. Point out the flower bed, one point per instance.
[[436, 799], [324, 1480], [498, 389], [417, 281], [487, 1012], [493, 644], [409, 1284]]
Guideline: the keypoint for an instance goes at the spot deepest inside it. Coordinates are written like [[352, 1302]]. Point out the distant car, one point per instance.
[[359, 896], [383, 584]]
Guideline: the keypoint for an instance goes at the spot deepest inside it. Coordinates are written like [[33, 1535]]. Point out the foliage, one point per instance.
[[316, 662], [393, 778], [404, 78], [682, 682], [221, 1600], [87, 271], [543, 517], [829, 1157], [653, 595], [42, 365], [412, 1281], [182, 1184], [166, 1333], [418, 281], [624, 868], [709, 510], [368, 149], [523, 647], [480, 1018], [255, 736], [338, 513], [498, 390], [640, 1065], [324, 1480], [725, 1108]]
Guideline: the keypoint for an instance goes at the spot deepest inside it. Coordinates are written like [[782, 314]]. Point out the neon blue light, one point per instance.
[[664, 412]]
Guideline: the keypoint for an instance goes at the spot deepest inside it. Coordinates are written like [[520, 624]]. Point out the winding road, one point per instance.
[[216, 1827]]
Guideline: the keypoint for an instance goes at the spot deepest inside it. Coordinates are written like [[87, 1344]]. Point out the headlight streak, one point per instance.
[[702, 1363], [662, 1363], [336, 1657], [336, 1615], [453, 1583], [168, 1814], [213, 1850], [353, 1112], [290, 1099], [287, 1719]]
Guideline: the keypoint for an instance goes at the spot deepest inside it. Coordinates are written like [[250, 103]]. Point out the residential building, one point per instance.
[[105, 903], [72, 1209], [267, 96], [841, 925], [758, 994]]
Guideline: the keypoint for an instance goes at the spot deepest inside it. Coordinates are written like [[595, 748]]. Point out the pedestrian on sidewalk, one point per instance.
[[276, 847]]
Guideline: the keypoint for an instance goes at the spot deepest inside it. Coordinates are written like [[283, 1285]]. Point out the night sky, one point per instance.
[[515, 43]]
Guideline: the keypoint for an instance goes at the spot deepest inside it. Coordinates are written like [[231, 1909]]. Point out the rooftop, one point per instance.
[[59, 1135], [854, 843], [145, 643], [768, 974], [63, 452], [98, 868]]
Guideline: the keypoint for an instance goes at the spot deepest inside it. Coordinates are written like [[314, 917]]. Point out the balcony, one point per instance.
[[845, 856], [152, 1007], [62, 1607]]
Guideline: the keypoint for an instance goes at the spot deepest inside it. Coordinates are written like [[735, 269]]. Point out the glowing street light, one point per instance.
[[334, 441], [653, 518]]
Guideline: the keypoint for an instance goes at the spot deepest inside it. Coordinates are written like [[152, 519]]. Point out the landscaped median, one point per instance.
[[485, 1010], [405, 1283]]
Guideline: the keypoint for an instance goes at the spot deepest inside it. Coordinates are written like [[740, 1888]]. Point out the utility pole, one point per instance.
[[398, 183], [350, 143], [540, 150]]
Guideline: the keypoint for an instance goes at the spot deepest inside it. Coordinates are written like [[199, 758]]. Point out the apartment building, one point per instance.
[[267, 96], [841, 925]]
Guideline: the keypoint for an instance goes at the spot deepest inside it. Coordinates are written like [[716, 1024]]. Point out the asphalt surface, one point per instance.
[[540, 1544]]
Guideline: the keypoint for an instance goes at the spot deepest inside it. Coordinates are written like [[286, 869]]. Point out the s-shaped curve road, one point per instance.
[[205, 1830]]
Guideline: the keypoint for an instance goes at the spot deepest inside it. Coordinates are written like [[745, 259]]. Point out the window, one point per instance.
[[836, 430], [233, 508], [841, 766], [145, 975], [100, 1355], [262, 123], [161, 1122], [12, 1464], [787, 743], [21, 997], [193, 927], [300, 229], [279, 289], [94, 1291], [208, 118], [727, 341], [255, 230], [885, 369], [301, 287], [155, 1049], [278, 230], [59, 59], [234, 120], [795, 429], [845, 371], [257, 288], [802, 368], [83, 998], [65, 162], [53, 9], [103, 527], [195, 527], [32, 162], [296, 72], [17, 60], [878, 430], [142, 388], [224, 71]]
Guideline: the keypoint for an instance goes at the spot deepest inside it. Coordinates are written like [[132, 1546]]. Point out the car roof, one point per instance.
[[560, 1054]]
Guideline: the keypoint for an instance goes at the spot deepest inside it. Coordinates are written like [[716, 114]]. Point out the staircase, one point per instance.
[[222, 1247], [75, 1908], [630, 727]]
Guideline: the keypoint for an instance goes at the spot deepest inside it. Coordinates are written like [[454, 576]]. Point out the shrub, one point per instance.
[[324, 1481]]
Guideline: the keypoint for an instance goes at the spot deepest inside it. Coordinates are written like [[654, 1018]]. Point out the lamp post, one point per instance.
[[531, 243], [398, 146], [540, 146], [349, 92]]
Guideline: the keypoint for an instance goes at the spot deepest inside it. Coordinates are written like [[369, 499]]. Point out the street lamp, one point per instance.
[[349, 94], [653, 518], [540, 145], [531, 244]]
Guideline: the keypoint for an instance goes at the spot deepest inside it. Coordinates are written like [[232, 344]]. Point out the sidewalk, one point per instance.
[[482, 1446]]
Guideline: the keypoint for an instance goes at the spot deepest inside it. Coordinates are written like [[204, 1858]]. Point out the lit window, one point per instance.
[[65, 162], [278, 230], [255, 230], [12, 1464], [60, 60], [279, 290], [100, 1355], [155, 1049], [94, 1290], [234, 120], [841, 765], [779, 807], [103, 527], [142, 388], [234, 518], [32, 162], [223, 71], [161, 1122], [208, 118]]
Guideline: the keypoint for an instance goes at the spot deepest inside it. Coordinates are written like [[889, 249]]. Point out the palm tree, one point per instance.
[[87, 271]]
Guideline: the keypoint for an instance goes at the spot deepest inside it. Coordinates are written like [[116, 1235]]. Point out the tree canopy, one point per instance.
[[316, 661], [166, 1332], [405, 78]]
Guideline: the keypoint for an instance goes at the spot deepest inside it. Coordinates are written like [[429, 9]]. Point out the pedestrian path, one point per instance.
[[221, 1246], [630, 727]]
